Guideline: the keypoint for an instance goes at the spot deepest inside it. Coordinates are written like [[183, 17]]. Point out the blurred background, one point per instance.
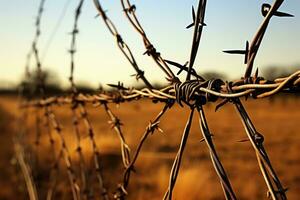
[[229, 25]]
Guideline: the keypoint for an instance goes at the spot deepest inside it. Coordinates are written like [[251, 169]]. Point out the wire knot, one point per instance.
[[116, 122], [120, 40], [131, 9], [120, 193], [151, 51], [139, 74], [259, 138], [154, 126], [252, 80], [190, 91]]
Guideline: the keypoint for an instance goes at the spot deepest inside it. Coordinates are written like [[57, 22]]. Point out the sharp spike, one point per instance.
[[256, 73], [282, 14], [235, 51], [189, 26], [244, 140], [193, 14]]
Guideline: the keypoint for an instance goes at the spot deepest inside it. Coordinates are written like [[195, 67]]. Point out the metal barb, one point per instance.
[[265, 8]]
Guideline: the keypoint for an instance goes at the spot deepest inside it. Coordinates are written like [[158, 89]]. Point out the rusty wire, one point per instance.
[[194, 93]]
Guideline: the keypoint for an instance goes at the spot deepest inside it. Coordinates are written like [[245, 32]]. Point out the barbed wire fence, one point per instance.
[[194, 92]]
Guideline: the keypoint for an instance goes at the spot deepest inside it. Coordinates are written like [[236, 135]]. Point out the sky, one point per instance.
[[98, 61]]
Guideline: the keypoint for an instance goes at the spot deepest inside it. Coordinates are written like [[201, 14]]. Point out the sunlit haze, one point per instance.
[[229, 24]]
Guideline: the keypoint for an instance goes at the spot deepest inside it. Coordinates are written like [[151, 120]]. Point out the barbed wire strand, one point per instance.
[[73, 49], [256, 42], [55, 29], [82, 110], [86, 189], [257, 140], [198, 24], [194, 93], [114, 120], [153, 125], [129, 11], [48, 111], [33, 52], [179, 156], [65, 153], [96, 154], [54, 169], [263, 89], [122, 45], [225, 183], [54, 174], [29, 176], [116, 125], [40, 89], [36, 143]]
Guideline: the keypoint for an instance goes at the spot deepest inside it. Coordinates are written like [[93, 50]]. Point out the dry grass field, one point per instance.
[[278, 120]]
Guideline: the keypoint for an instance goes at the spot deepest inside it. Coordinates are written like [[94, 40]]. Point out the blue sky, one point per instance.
[[230, 24]]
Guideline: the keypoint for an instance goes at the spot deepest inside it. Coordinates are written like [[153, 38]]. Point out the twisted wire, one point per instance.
[[179, 156], [116, 125], [225, 183], [54, 169], [153, 125], [65, 153], [257, 140], [40, 85], [86, 189], [130, 12], [34, 50], [193, 93], [238, 89], [256, 42], [122, 45], [83, 116], [96, 154], [198, 24], [47, 109]]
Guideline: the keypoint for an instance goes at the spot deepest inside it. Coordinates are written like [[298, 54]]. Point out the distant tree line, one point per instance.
[[30, 85], [51, 83], [273, 72]]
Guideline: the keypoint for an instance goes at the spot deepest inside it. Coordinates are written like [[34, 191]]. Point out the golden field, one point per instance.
[[278, 120]]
